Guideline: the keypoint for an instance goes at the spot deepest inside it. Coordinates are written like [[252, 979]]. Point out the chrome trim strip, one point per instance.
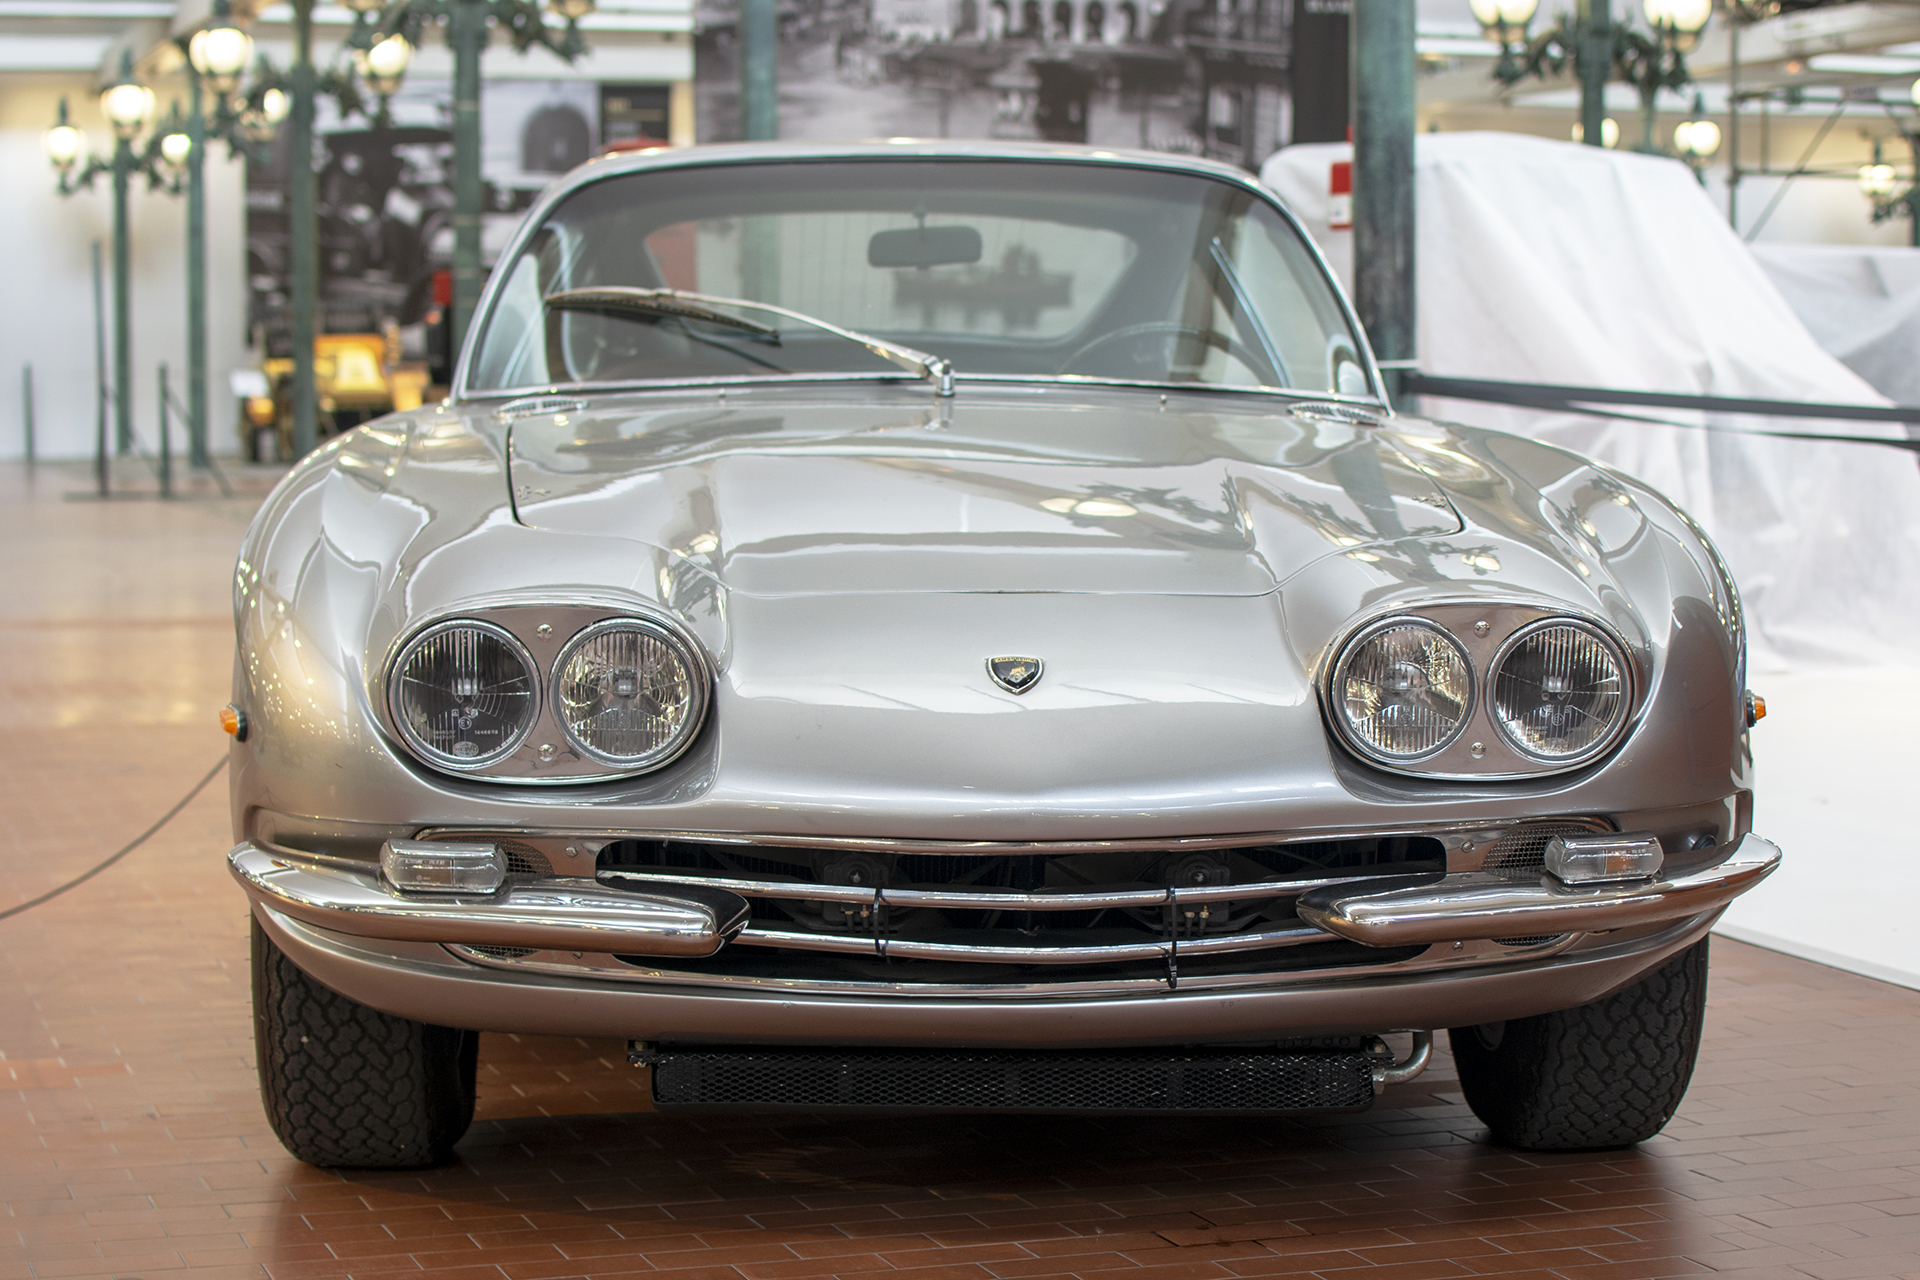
[[985, 900], [562, 914], [595, 968], [1451, 834], [1481, 904], [905, 949]]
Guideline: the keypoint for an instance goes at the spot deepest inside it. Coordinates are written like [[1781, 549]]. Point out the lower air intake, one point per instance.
[[1337, 1078]]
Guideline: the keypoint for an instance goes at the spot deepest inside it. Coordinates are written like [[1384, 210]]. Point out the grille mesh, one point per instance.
[[984, 1080], [1521, 854]]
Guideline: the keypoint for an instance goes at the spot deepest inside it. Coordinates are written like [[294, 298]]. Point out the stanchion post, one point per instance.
[[26, 413], [166, 438], [467, 37]]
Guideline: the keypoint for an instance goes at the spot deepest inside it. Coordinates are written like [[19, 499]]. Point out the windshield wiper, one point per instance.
[[624, 299]]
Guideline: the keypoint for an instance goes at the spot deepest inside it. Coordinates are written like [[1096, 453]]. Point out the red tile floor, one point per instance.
[[132, 1142]]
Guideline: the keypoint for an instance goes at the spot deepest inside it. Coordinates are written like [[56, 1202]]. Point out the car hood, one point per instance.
[[882, 490]]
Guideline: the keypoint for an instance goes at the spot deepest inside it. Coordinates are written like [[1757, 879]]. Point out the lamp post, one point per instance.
[[1880, 184], [217, 56], [1696, 139], [128, 106], [383, 62]]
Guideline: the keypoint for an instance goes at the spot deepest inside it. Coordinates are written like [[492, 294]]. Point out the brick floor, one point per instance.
[[132, 1142]]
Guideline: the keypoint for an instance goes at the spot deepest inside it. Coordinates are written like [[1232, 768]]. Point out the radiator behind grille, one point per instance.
[[1334, 1078]]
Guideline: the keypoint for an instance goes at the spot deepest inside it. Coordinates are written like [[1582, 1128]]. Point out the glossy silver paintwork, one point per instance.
[[846, 552]]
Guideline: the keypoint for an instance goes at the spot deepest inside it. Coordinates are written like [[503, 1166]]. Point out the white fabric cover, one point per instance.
[[1860, 302], [1543, 261]]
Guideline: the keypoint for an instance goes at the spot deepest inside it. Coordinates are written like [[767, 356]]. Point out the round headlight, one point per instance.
[[1560, 690], [463, 694], [1402, 690], [629, 693]]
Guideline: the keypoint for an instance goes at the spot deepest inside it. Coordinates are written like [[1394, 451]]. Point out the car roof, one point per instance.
[[896, 149]]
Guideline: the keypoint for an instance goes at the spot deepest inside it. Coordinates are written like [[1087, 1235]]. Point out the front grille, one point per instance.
[[1175, 910], [1286, 1077]]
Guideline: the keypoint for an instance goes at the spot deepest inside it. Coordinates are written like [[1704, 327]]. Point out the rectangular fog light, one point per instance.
[[1605, 857], [432, 866]]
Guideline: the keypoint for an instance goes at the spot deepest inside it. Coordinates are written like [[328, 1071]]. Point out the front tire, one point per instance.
[[1607, 1074], [346, 1086]]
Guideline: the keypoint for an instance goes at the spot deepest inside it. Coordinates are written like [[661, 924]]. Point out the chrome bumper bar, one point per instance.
[[1478, 905], [653, 916], [559, 915]]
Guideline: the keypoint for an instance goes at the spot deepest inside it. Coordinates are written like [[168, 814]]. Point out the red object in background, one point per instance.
[[1340, 196], [443, 288]]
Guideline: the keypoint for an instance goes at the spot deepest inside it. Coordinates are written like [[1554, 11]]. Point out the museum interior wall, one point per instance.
[[47, 319]]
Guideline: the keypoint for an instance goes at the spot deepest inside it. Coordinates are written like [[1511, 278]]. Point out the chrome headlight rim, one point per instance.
[[1616, 650], [431, 755], [700, 679], [1347, 651]]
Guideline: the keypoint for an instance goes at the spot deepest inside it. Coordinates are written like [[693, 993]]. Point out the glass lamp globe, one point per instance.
[[1609, 132], [1702, 138], [220, 54], [64, 144], [365, 6], [175, 148], [574, 10], [127, 106], [1518, 13], [1876, 181], [385, 64], [1914, 93], [274, 106]]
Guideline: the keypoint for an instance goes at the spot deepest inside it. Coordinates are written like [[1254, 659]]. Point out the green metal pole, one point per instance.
[[122, 303], [1594, 61], [166, 436], [759, 70], [1383, 204], [302, 232], [102, 469], [467, 36], [26, 399], [196, 276]]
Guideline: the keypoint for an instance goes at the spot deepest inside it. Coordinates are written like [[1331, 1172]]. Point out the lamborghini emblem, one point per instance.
[[1015, 675]]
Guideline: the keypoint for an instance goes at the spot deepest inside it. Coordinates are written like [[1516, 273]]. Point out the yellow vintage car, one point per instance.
[[357, 377]]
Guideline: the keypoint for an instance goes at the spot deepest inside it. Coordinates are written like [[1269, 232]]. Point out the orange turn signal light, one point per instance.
[[234, 721], [1756, 709]]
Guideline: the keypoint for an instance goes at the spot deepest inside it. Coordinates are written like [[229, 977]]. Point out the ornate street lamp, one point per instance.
[[128, 106], [1505, 23], [220, 51], [1880, 184], [383, 67], [1609, 132], [382, 64], [1696, 139], [1598, 49]]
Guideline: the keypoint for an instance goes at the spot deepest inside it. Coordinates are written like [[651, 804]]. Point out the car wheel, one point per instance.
[[1607, 1074], [348, 1086]]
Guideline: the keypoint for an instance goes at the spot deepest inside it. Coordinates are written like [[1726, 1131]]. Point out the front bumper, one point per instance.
[[386, 950]]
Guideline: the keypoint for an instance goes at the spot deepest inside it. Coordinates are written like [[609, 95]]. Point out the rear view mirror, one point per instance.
[[923, 247]]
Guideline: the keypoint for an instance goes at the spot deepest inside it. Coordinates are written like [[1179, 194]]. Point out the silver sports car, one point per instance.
[[959, 626]]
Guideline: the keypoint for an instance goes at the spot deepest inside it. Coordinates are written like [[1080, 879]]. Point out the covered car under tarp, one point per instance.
[[1547, 262]]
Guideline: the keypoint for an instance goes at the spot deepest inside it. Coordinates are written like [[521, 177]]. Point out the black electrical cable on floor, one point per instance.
[[138, 840]]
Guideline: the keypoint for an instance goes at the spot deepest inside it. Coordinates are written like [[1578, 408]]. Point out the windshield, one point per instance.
[[1026, 269]]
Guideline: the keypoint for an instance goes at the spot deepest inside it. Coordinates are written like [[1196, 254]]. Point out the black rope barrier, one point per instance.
[[1540, 395], [138, 840]]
